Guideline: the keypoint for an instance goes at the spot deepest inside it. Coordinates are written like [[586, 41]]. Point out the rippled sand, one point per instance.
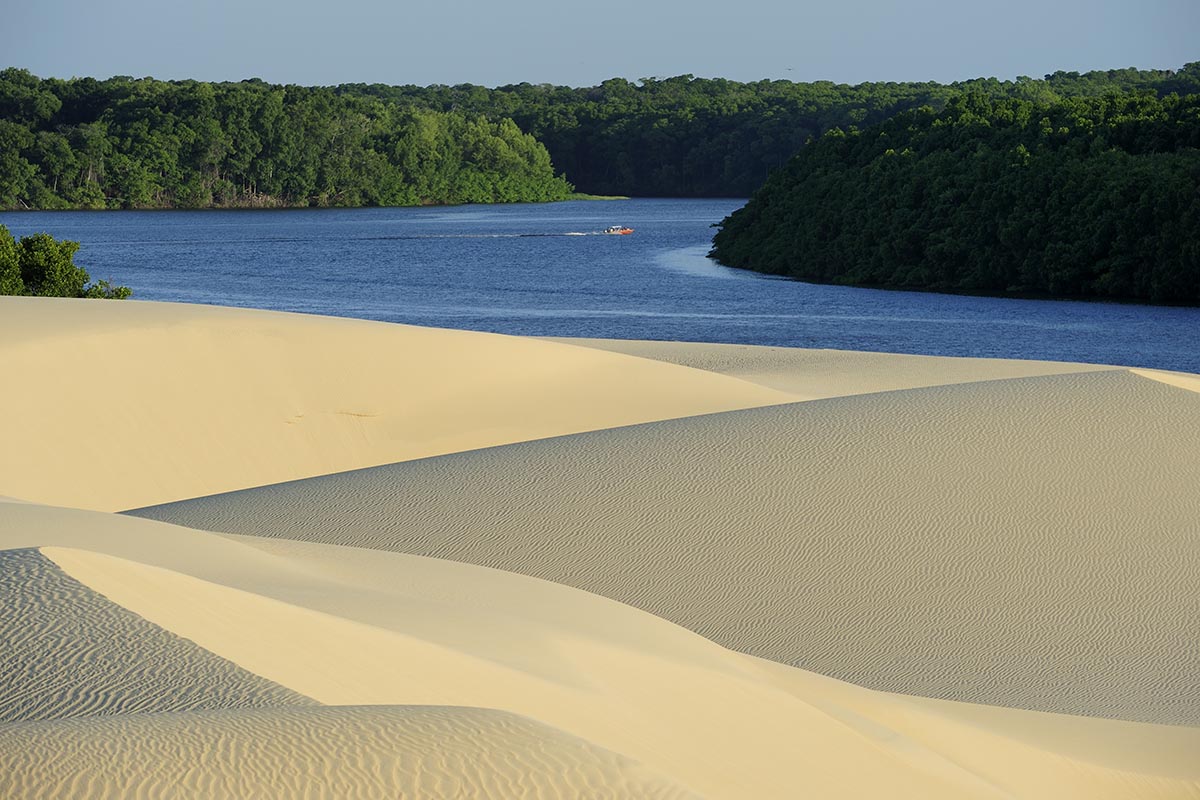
[[371, 751], [686, 570], [68, 651], [1027, 542]]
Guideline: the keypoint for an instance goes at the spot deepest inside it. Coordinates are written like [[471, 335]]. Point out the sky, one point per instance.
[[576, 44]]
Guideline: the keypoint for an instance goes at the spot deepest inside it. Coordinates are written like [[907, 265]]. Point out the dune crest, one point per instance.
[[817, 374], [186, 400], [1181, 380], [665, 566], [67, 651], [1023, 542], [404, 630], [685, 707]]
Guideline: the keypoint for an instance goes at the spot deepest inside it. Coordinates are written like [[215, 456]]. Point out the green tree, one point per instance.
[[48, 268], [17, 175], [10, 265], [42, 266], [164, 144], [1088, 197]]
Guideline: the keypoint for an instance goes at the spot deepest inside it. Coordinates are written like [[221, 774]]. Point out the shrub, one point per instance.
[[42, 266]]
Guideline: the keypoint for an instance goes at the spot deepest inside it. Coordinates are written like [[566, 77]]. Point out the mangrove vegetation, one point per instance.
[[145, 143], [1090, 196]]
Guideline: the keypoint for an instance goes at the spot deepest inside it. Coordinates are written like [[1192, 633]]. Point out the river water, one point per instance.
[[544, 270]]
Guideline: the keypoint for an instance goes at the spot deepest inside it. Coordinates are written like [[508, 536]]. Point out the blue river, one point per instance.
[[546, 270]]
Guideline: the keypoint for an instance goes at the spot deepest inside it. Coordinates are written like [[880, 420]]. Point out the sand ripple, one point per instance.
[[66, 651], [335, 752], [1028, 542]]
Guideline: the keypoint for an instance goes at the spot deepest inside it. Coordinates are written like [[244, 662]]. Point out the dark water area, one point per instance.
[[545, 270]]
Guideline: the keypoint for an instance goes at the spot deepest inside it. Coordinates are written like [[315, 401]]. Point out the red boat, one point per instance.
[[618, 230]]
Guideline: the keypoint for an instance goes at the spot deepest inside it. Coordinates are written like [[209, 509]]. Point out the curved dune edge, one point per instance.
[[1180, 380], [67, 651], [710, 726], [811, 374], [188, 400], [1025, 542], [371, 751], [356, 626], [1060, 469]]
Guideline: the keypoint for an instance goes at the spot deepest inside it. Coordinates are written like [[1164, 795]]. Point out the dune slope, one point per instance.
[[67, 651], [815, 374], [371, 751], [721, 558], [1027, 542], [185, 400], [611, 700]]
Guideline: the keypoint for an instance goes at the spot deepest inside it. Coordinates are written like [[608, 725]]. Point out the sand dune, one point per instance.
[[182, 400], [67, 651], [1027, 542], [608, 697], [817, 374], [375, 751], [1015, 534], [1181, 380], [354, 627]]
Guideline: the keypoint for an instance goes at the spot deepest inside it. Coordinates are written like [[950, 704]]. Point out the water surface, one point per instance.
[[541, 270]]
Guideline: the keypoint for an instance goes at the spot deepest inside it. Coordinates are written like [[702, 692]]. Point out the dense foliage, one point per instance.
[[1088, 197], [695, 137], [143, 143], [124, 143], [41, 266]]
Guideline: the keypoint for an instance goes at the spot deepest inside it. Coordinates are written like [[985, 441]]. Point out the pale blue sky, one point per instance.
[[558, 41]]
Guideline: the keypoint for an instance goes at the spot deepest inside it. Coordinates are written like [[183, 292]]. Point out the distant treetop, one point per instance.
[[143, 143]]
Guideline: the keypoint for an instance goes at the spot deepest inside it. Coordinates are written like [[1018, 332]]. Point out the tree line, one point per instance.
[[1093, 197], [125, 143], [144, 143], [697, 137]]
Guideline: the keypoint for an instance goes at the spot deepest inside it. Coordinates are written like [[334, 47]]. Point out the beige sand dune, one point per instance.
[[815, 374], [1018, 534], [347, 626], [655, 708], [1026, 542], [372, 751], [1181, 380], [67, 651], [129, 404]]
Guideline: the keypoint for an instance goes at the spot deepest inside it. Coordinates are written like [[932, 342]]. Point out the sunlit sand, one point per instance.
[[368, 559]]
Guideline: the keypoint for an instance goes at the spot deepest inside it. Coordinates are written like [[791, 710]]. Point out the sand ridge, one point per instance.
[[597, 679], [1011, 533], [67, 651], [667, 706], [816, 374], [186, 400], [1025, 542]]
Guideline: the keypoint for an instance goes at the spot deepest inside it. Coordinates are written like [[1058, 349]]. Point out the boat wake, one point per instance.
[[486, 235]]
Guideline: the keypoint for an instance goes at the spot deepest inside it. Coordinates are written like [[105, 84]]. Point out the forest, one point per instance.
[[125, 143], [144, 143], [698, 137], [1087, 196]]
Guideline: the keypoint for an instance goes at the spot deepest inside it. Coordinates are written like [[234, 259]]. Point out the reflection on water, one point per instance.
[[536, 269], [694, 261]]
